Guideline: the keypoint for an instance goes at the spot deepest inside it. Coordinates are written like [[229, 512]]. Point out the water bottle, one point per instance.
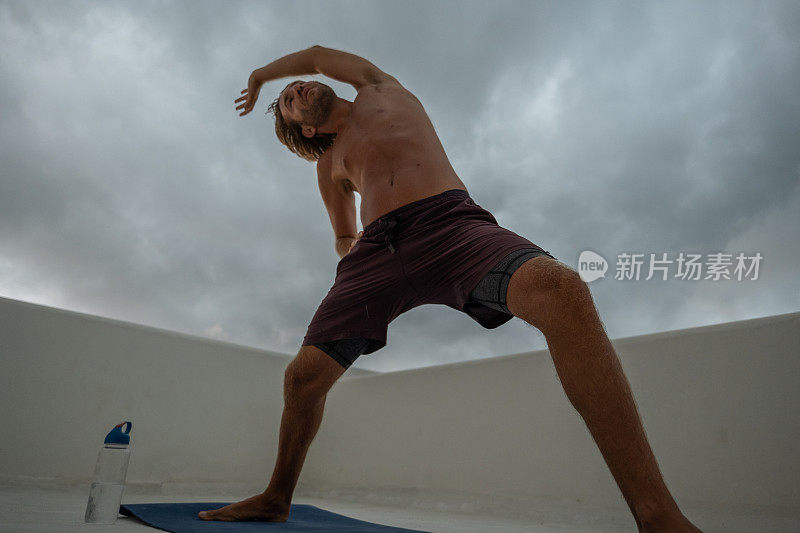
[[105, 494]]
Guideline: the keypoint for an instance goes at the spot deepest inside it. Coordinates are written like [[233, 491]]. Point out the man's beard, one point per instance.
[[322, 108]]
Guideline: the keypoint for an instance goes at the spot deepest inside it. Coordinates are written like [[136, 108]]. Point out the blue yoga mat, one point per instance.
[[182, 518]]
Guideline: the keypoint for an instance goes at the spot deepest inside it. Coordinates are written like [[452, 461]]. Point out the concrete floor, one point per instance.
[[61, 509]]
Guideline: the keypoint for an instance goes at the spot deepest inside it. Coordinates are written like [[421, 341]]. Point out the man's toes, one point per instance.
[[206, 515]]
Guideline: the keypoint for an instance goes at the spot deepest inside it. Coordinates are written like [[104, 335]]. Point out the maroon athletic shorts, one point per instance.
[[443, 249]]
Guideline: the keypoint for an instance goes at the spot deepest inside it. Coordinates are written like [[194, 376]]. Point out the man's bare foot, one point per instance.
[[259, 507]]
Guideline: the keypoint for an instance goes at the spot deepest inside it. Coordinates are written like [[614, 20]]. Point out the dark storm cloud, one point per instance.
[[130, 187]]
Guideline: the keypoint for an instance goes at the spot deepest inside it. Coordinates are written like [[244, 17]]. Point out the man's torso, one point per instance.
[[389, 152]]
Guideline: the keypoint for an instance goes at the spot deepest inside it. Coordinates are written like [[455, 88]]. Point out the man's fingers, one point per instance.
[[247, 101], [247, 105]]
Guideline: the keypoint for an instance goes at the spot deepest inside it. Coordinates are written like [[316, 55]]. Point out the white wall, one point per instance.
[[202, 410], [719, 404]]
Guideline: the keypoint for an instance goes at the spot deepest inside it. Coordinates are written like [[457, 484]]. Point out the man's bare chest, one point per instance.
[[378, 140]]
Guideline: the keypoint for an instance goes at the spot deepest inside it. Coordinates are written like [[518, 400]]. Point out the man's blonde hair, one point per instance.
[[291, 135]]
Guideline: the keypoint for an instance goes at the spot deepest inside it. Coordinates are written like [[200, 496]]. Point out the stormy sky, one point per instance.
[[130, 188]]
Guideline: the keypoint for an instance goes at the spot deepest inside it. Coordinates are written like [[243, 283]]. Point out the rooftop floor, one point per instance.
[[28, 509]]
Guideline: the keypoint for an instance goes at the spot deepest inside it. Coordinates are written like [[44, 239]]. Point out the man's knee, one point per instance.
[[576, 296], [310, 374], [547, 293]]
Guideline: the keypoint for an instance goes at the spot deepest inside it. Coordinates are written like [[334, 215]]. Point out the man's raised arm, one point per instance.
[[341, 66]]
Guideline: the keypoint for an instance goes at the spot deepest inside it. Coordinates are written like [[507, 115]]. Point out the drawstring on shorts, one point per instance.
[[387, 223], [388, 233]]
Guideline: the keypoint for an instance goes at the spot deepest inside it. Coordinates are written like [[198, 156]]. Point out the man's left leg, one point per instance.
[[307, 380], [551, 297]]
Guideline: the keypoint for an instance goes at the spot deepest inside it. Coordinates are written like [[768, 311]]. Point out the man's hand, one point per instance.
[[345, 244], [250, 95], [360, 233]]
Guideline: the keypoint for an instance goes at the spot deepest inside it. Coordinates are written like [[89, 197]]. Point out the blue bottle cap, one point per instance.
[[116, 435]]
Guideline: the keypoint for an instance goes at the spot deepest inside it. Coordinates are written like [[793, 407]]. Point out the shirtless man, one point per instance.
[[426, 241]]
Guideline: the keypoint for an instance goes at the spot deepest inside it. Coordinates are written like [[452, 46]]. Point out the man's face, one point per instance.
[[307, 102]]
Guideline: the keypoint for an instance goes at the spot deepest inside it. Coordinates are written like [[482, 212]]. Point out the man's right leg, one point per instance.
[[307, 380]]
